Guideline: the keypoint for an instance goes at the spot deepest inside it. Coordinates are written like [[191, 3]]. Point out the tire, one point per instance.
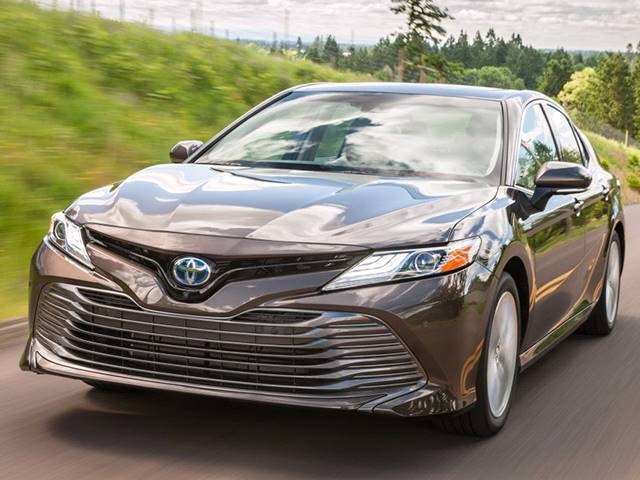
[[603, 317], [489, 414]]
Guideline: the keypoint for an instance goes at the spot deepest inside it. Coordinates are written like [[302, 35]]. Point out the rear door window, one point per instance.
[[565, 135]]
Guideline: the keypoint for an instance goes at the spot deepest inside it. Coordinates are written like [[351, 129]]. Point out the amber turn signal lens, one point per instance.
[[458, 259]]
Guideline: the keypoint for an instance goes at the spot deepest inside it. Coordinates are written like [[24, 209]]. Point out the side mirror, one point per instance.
[[183, 150], [559, 178]]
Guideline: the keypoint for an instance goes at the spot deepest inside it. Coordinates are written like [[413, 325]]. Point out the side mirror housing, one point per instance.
[[559, 178], [183, 150]]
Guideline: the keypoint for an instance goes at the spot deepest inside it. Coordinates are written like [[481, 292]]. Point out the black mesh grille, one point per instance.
[[269, 351], [226, 270]]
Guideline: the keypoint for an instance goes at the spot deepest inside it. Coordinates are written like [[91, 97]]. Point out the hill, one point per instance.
[[86, 101]]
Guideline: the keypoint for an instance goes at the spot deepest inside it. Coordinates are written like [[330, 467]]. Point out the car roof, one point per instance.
[[441, 90]]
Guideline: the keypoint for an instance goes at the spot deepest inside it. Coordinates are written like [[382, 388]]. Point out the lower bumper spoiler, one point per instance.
[[411, 402]]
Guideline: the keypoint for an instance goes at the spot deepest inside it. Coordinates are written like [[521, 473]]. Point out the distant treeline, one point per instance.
[[487, 60], [600, 87]]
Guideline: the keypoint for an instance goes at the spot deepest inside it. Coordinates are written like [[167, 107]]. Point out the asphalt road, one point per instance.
[[576, 415]]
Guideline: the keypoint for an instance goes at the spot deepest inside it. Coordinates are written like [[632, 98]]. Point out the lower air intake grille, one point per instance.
[[268, 351]]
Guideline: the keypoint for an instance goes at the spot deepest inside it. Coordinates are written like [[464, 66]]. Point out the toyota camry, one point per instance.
[[397, 249]]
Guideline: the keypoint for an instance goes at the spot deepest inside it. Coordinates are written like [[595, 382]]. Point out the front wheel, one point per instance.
[[498, 369], [603, 318]]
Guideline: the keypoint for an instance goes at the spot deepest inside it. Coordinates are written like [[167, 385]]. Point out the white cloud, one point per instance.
[[573, 24]]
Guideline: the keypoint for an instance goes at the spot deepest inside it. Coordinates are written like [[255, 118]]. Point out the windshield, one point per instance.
[[397, 134]]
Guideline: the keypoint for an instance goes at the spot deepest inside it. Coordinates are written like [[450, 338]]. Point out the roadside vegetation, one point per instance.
[[86, 101]]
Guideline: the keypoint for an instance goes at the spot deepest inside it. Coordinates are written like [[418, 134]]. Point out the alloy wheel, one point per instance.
[[502, 354], [612, 283]]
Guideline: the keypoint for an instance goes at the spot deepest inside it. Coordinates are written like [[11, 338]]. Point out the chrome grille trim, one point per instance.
[[305, 353]]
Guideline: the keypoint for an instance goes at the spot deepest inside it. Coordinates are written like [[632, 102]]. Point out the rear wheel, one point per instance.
[[498, 369], [603, 317]]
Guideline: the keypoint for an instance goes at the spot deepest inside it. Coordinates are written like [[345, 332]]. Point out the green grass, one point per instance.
[[623, 162], [86, 101]]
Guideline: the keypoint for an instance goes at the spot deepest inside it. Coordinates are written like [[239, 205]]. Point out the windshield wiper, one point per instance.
[[314, 167]]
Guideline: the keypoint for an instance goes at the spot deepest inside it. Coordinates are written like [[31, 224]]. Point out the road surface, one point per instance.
[[576, 415]]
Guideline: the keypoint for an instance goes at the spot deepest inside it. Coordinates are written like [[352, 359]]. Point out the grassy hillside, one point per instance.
[[620, 160], [85, 101]]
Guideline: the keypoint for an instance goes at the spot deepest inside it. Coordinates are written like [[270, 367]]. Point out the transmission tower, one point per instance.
[[199, 17], [286, 28]]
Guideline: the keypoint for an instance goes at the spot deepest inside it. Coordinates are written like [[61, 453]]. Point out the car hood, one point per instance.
[[284, 205]]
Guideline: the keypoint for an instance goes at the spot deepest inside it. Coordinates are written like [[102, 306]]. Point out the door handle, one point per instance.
[[605, 192], [577, 206]]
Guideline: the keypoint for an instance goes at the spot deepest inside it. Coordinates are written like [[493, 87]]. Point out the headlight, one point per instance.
[[67, 236], [402, 264]]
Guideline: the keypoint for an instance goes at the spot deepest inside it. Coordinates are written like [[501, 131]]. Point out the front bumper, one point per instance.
[[411, 401], [441, 321]]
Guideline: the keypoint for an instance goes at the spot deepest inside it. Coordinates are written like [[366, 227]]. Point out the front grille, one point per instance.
[[226, 270], [322, 354]]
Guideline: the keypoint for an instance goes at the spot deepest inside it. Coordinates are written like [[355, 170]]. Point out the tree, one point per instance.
[[423, 19], [490, 76], [314, 51], [555, 75], [331, 52], [478, 48], [616, 92], [635, 80], [581, 93]]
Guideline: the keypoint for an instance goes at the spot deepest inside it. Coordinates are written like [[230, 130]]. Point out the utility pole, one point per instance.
[[212, 28], [151, 17], [173, 24], [286, 28], [193, 20], [123, 8], [93, 7], [226, 33], [200, 15], [353, 36]]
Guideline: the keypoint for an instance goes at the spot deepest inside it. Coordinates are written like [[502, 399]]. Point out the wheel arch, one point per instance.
[[517, 264], [619, 229]]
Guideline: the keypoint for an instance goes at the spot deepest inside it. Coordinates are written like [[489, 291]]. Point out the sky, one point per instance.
[[572, 24]]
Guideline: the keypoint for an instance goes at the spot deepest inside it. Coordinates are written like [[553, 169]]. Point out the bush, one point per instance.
[[633, 181]]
